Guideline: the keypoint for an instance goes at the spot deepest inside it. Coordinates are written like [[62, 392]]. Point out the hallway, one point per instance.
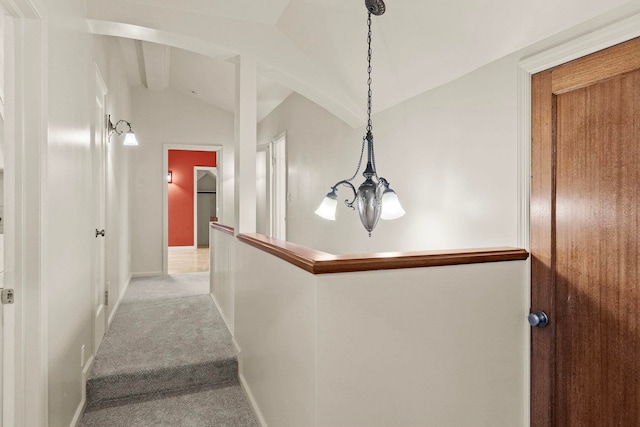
[[167, 360]]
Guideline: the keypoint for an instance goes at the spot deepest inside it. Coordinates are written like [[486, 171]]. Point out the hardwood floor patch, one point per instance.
[[188, 260]]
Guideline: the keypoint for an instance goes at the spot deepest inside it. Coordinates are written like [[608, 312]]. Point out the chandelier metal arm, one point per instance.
[[346, 183], [364, 140]]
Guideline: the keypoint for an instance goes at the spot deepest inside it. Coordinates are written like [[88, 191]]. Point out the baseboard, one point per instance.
[[224, 317], [77, 417], [180, 248], [147, 274], [236, 345], [115, 308], [252, 401]]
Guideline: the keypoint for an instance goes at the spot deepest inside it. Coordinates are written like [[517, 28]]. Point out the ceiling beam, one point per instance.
[[156, 65], [131, 63]]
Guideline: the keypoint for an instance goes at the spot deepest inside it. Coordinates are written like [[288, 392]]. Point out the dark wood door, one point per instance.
[[585, 211]]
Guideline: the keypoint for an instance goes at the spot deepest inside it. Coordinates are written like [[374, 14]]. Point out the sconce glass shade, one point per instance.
[[130, 139], [327, 208], [391, 207], [169, 177]]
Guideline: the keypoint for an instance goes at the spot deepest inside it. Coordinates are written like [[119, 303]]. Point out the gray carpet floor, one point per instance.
[[221, 407], [167, 360]]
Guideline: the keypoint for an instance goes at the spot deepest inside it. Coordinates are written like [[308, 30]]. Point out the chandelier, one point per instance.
[[374, 199]]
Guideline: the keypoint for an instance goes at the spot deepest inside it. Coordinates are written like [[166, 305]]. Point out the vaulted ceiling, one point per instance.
[[318, 47]]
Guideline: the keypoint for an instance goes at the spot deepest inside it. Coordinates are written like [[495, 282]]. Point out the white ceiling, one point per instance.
[[318, 47], [265, 11], [159, 67]]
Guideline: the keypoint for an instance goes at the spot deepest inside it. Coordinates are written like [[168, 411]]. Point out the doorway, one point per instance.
[[585, 218], [183, 182]]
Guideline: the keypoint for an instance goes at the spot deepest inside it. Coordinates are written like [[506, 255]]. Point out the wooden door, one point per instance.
[[585, 210]]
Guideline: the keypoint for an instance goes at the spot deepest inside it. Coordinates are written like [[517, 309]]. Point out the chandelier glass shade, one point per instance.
[[327, 208], [374, 199]]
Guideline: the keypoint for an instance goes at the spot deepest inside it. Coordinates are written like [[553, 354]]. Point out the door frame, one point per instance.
[[622, 30], [214, 171], [276, 197], [165, 190], [26, 120]]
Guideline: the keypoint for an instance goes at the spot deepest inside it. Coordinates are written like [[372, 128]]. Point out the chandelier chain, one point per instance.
[[369, 93], [364, 141]]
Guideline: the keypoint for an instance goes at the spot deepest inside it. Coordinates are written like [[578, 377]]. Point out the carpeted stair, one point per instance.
[[168, 359]]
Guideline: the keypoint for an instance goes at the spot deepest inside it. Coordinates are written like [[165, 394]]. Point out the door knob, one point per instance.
[[539, 319], [99, 232]]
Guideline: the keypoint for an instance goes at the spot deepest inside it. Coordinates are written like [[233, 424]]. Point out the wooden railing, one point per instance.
[[318, 262], [223, 228]]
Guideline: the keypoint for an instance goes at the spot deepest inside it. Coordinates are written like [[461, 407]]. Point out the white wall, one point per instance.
[[68, 223], [68, 219], [170, 117], [437, 346], [313, 138], [221, 279], [450, 155], [275, 328]]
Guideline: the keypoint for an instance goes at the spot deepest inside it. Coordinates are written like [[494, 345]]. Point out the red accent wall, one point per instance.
[[180, 190]]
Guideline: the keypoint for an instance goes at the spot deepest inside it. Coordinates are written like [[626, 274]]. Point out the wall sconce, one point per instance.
[[169, 180], [130, 137]]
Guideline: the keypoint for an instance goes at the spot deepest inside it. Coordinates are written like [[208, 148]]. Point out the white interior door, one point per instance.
[[2, 334], [278, 188], [23, 356], [99, 191], [7, 313], [3, 312]]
